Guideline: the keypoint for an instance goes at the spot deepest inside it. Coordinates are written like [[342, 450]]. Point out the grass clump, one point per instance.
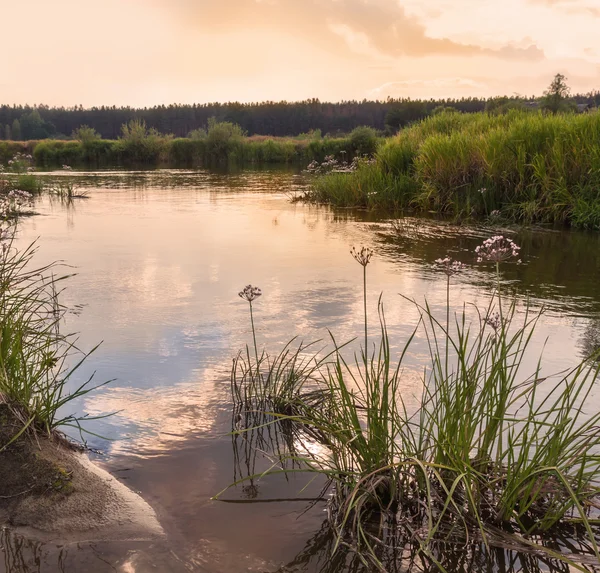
[[530, 167], [492, 455], [37, 360]]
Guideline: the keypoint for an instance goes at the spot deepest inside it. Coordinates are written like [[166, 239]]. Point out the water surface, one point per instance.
[[160, 258]]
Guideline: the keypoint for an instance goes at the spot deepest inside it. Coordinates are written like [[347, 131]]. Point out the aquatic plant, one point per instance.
[[492, 456], [37, 360], [531, 167]]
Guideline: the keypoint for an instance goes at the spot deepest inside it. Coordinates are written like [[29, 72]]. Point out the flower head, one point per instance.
[[497, 249], [250, 293], [449, 266], [493, 320], [362, 257]]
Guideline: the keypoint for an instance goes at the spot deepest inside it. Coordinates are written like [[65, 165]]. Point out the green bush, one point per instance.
[[364, 140]]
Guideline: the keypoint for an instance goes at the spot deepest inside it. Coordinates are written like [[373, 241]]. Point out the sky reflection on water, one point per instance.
[[160, 260]]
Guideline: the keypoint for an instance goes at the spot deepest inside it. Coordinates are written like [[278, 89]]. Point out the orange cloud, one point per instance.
[[383, 23]]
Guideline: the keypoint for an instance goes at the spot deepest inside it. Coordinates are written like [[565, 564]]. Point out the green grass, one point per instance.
[[37, 360], [531, 167], [184, 152], [492, 455]]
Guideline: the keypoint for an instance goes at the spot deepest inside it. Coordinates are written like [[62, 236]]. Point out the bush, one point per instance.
[[363, 140]]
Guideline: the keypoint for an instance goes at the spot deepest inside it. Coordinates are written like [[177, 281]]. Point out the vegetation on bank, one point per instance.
[[221, 143], [275, 118], [37, 359], [492, 456], [518, 166]]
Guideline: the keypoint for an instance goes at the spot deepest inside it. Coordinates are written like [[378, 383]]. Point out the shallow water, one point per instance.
[[160, 258]]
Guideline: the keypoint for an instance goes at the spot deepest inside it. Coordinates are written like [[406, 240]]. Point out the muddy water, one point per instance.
[[160, 258]]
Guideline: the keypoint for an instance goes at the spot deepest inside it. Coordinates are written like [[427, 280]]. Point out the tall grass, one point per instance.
[[37, 360], [530, 167], [190, 152], [492, 455]]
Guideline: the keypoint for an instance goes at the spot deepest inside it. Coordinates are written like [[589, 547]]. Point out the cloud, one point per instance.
[[383, 25], [571, 6]]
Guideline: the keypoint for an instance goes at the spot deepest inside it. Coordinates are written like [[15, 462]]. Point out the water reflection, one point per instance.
[[404, 557], [160, 258]]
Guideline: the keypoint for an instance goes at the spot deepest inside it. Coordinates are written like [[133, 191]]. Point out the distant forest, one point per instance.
[[267, 118]]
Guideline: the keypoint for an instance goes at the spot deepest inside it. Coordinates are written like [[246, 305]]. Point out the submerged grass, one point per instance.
[[493, 456], [528, 167]]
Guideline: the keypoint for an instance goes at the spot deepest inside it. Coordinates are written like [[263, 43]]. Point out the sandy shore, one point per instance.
[[52, 492]]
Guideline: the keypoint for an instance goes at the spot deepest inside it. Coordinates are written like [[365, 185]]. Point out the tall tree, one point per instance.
[[16, 130], [556, 97]]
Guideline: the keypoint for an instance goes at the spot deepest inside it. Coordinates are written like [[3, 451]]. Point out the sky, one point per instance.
[[151, 52]]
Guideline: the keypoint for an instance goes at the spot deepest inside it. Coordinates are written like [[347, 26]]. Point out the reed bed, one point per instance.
[[493, 456], [37, 359], [527, 167]]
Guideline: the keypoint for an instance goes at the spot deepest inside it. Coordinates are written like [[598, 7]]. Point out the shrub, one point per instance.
[[363, 140]]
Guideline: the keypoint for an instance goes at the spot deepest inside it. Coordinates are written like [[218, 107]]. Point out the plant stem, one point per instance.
[[447, 320], [254, 338], [366, 327]]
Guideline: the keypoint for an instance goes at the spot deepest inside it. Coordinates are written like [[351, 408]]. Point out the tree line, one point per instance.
[[23, 123]]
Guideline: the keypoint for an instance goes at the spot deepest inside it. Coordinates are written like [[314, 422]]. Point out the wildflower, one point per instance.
[[17, 194], [495, 214], [497, 249], [483, 190], [449, 266], [250, 293], [362, 257], [67, 168], [494, 321]]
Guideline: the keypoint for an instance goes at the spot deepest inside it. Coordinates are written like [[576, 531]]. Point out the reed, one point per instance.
[[37, 360], [492, 455], [529, 167]]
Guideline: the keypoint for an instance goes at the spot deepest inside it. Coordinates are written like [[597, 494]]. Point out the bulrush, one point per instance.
[[493, 320], [497, 249], [363, 257], [250, 293], [449, 266]]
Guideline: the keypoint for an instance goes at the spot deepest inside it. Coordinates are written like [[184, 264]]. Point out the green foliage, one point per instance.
[[443, 109], [34, 354], [34, 127], [556, 97], [16, 130], [364, 140], [490, 454], [530, 166], [86, 135]]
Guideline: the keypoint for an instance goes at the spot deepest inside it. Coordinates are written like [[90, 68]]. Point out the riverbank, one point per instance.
[[518, 167], [181, 152], [50, 489]]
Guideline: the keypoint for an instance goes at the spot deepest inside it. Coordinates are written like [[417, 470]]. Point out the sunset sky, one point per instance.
[[147, 52]]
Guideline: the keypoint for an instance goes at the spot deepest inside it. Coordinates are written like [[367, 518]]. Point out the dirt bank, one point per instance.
[[51, 491]]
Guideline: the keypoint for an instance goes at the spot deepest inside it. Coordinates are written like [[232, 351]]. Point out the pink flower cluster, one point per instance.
[[497, 249], [493, 320], [449, 266], [250, 293]]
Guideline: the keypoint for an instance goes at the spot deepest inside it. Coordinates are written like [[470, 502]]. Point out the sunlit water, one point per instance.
[[160, 258]]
